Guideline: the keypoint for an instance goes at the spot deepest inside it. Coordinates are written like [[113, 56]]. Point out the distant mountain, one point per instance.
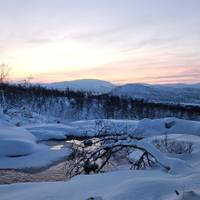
[[183, 85], [166, 93], [87, 85], [172, 93]]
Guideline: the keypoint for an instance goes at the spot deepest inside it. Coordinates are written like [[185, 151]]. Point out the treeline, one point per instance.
[[71, 105]]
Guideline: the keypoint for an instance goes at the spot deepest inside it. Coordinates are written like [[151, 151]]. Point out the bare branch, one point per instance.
[[94, 158], [4, 72]]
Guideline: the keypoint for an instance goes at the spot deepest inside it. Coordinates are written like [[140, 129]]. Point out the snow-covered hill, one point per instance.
[[170, 93], [87, 85], [175, 93]]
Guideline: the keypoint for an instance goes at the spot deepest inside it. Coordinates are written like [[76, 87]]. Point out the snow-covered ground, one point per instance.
[[166, 126], [42, 158], [154, 184], [19, 149], [91, 128], [84, 128], [118, 185]]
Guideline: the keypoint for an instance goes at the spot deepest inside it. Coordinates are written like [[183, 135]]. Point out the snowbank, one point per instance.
[[119, 185], [106, 126], [50, 131], [148, 127], [16, 141], [171, 165], [19, 150], [84, 128], [91, 128], [43, 157]]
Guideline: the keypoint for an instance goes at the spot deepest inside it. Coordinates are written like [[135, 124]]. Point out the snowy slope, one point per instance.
[[183, 85], [174, 93], [177, 93], [88, 85]]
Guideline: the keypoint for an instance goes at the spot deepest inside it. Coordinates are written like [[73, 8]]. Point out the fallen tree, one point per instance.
[[94, 157]]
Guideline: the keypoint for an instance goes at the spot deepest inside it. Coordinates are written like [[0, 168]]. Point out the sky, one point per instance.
[[148, 41]]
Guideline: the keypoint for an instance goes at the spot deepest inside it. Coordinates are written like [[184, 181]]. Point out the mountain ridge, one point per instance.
[[87, 85], [170, 93]]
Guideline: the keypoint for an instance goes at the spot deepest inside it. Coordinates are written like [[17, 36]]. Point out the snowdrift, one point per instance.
[[91, 128], [148, 127], [120, 185], [16, 142], [19, 150], [183, 174]]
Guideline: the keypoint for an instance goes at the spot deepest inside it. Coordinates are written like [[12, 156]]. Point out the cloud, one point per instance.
[[151, 41], [188, 74], [120, 73]]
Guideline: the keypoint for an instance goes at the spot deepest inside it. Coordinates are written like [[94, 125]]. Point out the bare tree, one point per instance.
[[27, 81], [4, 72], [97, 155], [94, 158]]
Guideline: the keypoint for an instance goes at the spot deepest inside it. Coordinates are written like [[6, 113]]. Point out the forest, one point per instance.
[[76, 105]]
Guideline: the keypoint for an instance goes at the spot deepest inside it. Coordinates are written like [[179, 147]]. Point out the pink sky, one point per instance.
[[133, 41]]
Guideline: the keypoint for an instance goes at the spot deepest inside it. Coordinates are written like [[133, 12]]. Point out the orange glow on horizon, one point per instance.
[[120, 74]]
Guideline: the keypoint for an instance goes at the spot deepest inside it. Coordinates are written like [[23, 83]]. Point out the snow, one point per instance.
[[16, 147], [148, 127], [23, 115], [160, 93], [176, 172], [43, 157], [19, 150], [105, 126], [135, 155], [125, 184], [172, 165], [49, 131], [91, 128], [16, 141], [189, 195], [119, 185], [84, 128]]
